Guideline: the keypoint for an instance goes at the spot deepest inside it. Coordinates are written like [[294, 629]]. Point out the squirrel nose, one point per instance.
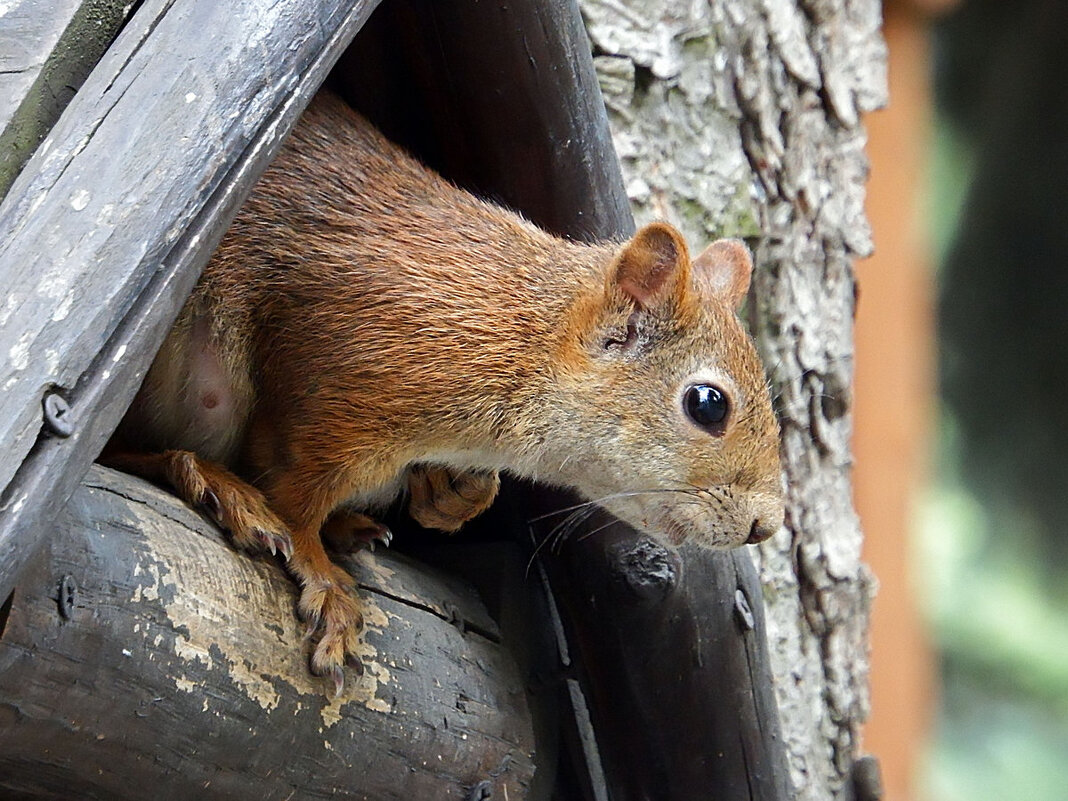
[[759, 532]]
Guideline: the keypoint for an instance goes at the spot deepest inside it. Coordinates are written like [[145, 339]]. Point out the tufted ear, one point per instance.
[[723, 269], [652, 265]]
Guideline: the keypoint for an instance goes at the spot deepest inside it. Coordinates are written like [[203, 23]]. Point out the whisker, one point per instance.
[[603, 498], [579, 513], [596, 530]]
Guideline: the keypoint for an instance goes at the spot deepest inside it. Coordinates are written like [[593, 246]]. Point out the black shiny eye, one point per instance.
[[707, 406]]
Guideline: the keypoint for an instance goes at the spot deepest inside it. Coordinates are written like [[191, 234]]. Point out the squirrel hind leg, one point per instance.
[[329, 604], [236, 506], [330, 607]]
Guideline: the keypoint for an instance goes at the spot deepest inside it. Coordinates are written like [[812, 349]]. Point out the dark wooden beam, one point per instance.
[[140, 657], [500, 97], [105, 231]]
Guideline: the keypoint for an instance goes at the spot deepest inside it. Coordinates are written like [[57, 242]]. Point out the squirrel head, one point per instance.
[[664, 401]]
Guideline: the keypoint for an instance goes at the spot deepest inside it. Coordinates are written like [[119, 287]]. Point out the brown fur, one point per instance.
[[366, 326]]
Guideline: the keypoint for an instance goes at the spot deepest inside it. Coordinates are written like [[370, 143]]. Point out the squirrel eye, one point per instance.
[[707, 406]]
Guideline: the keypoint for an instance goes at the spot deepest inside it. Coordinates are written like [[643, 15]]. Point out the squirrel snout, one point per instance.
[[767, 516], [759, 532], [767, 519]]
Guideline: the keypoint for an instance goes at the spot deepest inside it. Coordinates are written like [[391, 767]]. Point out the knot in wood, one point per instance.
[[867, 779], [646, 568]]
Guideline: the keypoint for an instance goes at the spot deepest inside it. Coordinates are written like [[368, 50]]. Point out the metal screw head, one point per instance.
[[68, 596], [743, 612], [57, 415]]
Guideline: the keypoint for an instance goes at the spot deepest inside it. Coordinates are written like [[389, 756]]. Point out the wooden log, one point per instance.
[[141, 651], [106, 229]]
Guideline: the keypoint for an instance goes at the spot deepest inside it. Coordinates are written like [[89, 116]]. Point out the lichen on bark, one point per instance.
[[743, 118]]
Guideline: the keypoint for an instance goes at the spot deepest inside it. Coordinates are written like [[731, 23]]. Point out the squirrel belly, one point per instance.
[[366, 327]]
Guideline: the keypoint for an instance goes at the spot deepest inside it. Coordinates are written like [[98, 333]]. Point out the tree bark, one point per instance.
[[742, 118]]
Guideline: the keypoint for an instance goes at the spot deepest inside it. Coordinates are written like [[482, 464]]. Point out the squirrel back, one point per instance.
[[363, 315]]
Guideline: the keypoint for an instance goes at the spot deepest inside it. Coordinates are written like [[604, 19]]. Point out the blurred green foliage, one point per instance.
[[992, 575]]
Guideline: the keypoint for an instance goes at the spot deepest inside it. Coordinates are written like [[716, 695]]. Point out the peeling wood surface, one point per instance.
[[98, 250], [742, 117], [180, 666]]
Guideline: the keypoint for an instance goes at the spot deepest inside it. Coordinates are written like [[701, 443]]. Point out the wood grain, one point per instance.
[[179, 665]]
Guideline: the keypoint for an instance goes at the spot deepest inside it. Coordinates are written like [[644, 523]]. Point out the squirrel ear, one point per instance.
[[651, 264], [724, 269]]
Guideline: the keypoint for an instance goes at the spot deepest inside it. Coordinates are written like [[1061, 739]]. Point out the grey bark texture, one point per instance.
[[742, 118]]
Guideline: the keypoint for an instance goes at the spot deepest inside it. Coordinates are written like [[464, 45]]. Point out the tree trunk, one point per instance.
[[741, 118]]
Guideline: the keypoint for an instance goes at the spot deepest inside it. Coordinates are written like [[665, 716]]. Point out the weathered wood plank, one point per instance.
[[500, 97], [27, 37], [46, 51], [682, 636], [178, 665], [105, 231]]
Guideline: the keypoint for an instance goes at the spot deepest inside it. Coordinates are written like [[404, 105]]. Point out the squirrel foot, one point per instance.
[[347, 532], [329, 605], [236, 506], [445, 499]]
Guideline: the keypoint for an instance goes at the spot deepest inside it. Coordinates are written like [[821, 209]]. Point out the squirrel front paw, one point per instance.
[[235, 505], [445, 499], [348, 532], [332, 611]]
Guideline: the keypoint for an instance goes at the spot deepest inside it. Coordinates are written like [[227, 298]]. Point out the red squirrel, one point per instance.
[[367, 329]]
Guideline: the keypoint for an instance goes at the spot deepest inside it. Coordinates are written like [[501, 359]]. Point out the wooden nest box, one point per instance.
[[140, 657]]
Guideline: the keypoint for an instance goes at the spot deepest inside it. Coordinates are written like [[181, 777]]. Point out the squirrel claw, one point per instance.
[[379, 533], [210, 501], [266, 539], [338, 676], [311, 626], [275, 542], [354, 662], [348, 532]]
